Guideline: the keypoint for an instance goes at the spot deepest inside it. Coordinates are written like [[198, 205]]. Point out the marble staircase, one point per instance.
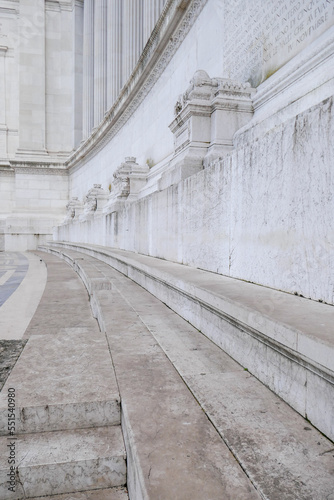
[[66, 437], [196, 423]]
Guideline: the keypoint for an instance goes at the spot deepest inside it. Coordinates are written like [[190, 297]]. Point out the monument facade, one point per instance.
[[197, 131]]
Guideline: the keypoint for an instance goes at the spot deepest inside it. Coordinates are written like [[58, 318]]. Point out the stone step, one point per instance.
[[58, 386], [53, 463], [285, 341], [282, 454], [278, 449]]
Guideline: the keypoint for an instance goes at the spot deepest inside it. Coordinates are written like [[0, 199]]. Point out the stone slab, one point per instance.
[[108, 494], [72, 311], [57, 385], [172, 448], [284, 455], [63, 462]]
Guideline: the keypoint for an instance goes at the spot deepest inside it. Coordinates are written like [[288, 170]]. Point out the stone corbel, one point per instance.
[[129, 179], [207, 116], [74, 209], [191, 128], [231, 109], [94, 202]]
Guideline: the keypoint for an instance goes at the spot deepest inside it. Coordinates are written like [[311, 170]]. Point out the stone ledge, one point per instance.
[[290, 356]]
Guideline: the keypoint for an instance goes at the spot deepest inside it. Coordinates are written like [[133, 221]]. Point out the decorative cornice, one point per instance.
[[174, 24], [32, 167]]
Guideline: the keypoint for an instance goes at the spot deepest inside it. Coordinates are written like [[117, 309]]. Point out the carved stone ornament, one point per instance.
[[73, 210], [94, 200], [200, 89], [129, 179]]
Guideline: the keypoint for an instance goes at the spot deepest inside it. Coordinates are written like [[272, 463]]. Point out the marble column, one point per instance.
[[100, 60], [132, 36], [114, 51], [151, 12], [88, 68], [32, 77]]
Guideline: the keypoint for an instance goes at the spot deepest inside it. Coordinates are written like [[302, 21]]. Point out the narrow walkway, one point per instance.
[[22, 283]]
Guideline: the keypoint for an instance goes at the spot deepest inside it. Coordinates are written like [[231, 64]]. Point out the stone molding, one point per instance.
[[129, 179], [94, 201], [207, 116], [39, 168], [176, 20], [74, 209]]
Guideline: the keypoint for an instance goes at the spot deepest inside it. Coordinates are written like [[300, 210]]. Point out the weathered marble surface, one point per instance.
[[282, 453], [10, 350], [276, 32], [109, 494], [284, 340], [63, 462], [73, 393]]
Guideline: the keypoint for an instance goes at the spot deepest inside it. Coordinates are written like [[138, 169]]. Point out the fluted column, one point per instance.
[[88, 68], [152, 11], [132, 36], [114, 51], [3, 125], [3, 51], [32, 77], [100, 60]]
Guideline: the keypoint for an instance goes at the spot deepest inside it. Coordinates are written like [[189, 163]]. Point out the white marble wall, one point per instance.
[[264, 213]]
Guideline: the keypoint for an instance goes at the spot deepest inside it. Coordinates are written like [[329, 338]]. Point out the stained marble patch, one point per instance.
[[10, 351]]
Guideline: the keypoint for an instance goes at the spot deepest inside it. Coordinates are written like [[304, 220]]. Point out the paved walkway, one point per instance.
[[22, 282]]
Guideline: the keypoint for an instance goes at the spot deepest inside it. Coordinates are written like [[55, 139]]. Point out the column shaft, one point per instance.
[[100, 60], [132, 37], [114, 51], [152, 11], [32, 76], [88, 68]]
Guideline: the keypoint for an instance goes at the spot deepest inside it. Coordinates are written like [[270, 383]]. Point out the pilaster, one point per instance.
[[3, 121], [132, 36], [100, 60], [151, 12], [32, 78], [88, 69], [114, 51]]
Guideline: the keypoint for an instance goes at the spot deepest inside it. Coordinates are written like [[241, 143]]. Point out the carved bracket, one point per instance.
[[207, 116], [129, 179]]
